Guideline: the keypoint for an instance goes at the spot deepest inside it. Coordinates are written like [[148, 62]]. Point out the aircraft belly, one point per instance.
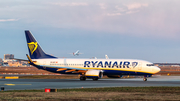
[[115, 72], [105, 72]]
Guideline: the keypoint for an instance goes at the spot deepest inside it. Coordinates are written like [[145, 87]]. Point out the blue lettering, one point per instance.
[[120, 64], [115, 64], [126, 64], [94, 63], [100, 64], [107, 64], [86, 63]]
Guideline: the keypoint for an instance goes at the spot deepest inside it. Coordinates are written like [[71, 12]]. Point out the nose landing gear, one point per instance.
[[145, 78]]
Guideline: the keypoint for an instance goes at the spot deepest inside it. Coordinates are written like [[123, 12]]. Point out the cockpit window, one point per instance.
[[150, 64]]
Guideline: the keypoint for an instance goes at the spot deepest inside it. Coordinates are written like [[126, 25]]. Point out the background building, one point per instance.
[[8, 56], [1, 62], [9, 61]]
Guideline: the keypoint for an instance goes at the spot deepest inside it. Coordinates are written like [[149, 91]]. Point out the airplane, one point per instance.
[[76, 53], [87, 68]]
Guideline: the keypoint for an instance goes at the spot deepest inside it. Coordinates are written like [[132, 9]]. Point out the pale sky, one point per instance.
[[130, 29]]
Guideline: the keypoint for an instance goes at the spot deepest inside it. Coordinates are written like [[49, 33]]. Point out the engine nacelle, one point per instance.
[[114, 76], [94, 74]]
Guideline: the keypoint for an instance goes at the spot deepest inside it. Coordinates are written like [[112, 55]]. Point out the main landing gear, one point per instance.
[[82, 78], [95, 79]]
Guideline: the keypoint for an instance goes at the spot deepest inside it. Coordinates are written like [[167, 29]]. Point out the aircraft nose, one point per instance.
[[157, 69]]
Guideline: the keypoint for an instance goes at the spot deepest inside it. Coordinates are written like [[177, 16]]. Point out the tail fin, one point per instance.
[[35, 51]]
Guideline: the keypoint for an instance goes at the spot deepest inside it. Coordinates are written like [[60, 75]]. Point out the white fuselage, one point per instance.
[[126, 65]]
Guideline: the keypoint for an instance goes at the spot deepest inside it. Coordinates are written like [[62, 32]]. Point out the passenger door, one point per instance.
[[139, 65]]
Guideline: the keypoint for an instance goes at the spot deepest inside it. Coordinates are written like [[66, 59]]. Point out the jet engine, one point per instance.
[[94, 74]]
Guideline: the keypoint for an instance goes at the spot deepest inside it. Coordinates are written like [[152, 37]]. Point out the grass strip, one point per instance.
[[113, 89], [96, 94]]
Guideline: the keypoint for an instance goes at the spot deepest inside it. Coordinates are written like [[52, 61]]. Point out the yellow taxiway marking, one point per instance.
[[16, 84]]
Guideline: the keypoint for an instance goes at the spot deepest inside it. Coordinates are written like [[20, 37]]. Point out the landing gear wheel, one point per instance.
[[82, 78], [145, 79], [95, 79]]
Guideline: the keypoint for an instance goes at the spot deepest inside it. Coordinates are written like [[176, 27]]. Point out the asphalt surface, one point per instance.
[[22, 84]]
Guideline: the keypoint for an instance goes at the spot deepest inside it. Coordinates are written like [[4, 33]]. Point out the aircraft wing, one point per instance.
[[80, 53], [68, 69]]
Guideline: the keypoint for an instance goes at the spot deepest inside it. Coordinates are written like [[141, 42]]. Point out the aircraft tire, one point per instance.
[[95, 79], [145, 79], [82, 78]]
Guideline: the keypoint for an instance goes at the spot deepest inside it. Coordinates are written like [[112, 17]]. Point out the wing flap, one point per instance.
[[61, 69], [70, 70]]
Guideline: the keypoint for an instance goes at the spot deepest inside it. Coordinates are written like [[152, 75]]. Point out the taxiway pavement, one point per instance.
[[22, 84]]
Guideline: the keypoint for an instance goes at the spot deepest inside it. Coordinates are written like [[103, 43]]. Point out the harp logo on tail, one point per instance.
[[32, 47]]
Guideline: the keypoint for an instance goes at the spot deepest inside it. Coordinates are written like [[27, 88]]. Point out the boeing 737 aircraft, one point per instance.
[[76, 53], [87, 68]]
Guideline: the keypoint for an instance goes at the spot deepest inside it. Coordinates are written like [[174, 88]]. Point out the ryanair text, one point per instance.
[[110, 64]]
